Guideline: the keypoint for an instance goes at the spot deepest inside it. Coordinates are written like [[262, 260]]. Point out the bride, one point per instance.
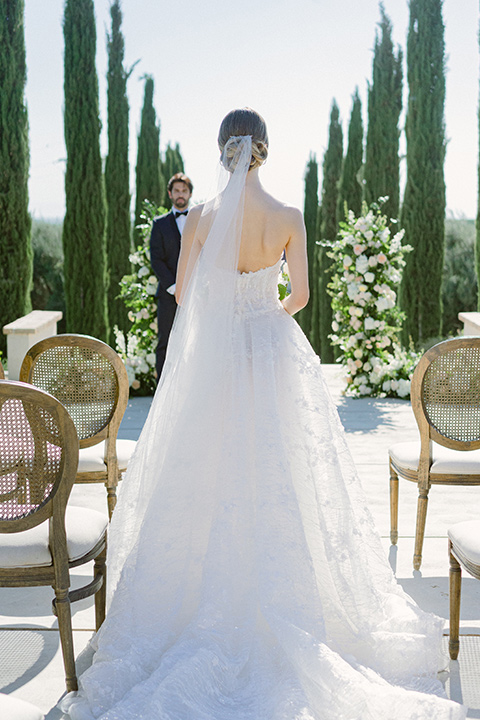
[[246, 578]]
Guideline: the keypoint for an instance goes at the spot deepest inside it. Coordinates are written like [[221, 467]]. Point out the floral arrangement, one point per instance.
[[137, 346], [367, 270], [283, 281]]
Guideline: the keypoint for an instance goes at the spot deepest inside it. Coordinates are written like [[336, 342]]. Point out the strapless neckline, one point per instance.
[[260, 270]]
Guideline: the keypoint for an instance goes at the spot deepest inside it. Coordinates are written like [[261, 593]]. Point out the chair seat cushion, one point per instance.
[[12, 708], [29, 548], [445, 461], [91, 459], [466, 537]]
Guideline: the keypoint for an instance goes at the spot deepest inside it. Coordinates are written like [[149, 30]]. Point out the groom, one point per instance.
[[164, 252]]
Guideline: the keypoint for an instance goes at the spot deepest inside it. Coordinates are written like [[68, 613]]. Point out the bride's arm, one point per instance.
[[296, 253], [189, 250]]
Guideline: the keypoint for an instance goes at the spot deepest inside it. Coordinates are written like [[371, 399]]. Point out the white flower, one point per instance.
[[338, 316], [358, 354], [384, 235], [372, 260], [382, 258], [352, 290], [154, 325], [361, 264], [368, 235], [150, 289], [359, 311], [369, 277], [367, 367], [347, 261], [403, 387], [358, 249], [384, 304], [369, 323], [335, 326], [151, 358], [143, 271], [135, 384], [394, 385], [386, 386], [364, 390]]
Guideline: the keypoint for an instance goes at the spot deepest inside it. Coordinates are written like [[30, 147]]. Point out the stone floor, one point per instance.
[[31, 665]]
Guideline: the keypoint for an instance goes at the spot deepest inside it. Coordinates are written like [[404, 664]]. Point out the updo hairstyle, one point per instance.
[[243, 122]]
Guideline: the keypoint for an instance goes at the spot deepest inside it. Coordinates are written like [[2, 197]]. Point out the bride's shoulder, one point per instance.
[[289, 214]]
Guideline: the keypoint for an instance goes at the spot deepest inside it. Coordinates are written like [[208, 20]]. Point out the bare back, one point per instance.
[[269, 227], [266, 230]]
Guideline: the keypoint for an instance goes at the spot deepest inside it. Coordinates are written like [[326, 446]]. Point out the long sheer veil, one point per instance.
[[205, 313]]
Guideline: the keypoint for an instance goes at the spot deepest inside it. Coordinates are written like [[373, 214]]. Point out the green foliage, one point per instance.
[[477, 241], [47, 292], [423, 212], [84, 241], [172, 164], [310, 214], [332, 168], [368, 265], [149, 180], [117, 174], [15, 222], [137, 346], [350, 189], [382, 164], [459, 287]]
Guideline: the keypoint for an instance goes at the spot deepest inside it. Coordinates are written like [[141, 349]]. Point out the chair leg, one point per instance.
[[100, 596], [420, 529], [455, 592], [393, 505], [64, 616], [111, 499]]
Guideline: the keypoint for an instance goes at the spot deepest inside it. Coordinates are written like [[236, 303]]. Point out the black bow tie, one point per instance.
[[178, 213]]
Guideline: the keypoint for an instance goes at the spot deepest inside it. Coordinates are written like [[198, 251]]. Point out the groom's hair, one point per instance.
[[179, 177]]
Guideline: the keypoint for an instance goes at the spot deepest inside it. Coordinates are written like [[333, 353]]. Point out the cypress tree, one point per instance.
[[84, 241], [350, 190], [172, 164], [310, 215], [382, 163], [423, 212], [15, 223], [332, 168], [117, 177], [148, 176]]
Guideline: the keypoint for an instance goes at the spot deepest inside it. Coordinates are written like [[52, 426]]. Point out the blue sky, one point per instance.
[[285, 58]]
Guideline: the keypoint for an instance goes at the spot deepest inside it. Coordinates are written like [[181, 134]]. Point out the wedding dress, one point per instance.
[[247, 580]]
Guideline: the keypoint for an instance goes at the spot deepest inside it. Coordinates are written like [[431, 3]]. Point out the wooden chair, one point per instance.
[[90, 379], [446, 402], [464, 550], [2, 373], [40, 537]]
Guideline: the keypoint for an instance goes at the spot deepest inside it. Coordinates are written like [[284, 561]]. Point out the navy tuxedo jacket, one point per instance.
[[164, 252]]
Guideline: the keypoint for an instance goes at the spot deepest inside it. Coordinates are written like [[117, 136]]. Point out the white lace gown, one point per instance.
[[249, 582]]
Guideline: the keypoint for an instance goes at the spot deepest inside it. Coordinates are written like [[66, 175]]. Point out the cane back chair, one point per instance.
[[40, 538], [464, 551], [90, 379], [445, 397], [2, 374]]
